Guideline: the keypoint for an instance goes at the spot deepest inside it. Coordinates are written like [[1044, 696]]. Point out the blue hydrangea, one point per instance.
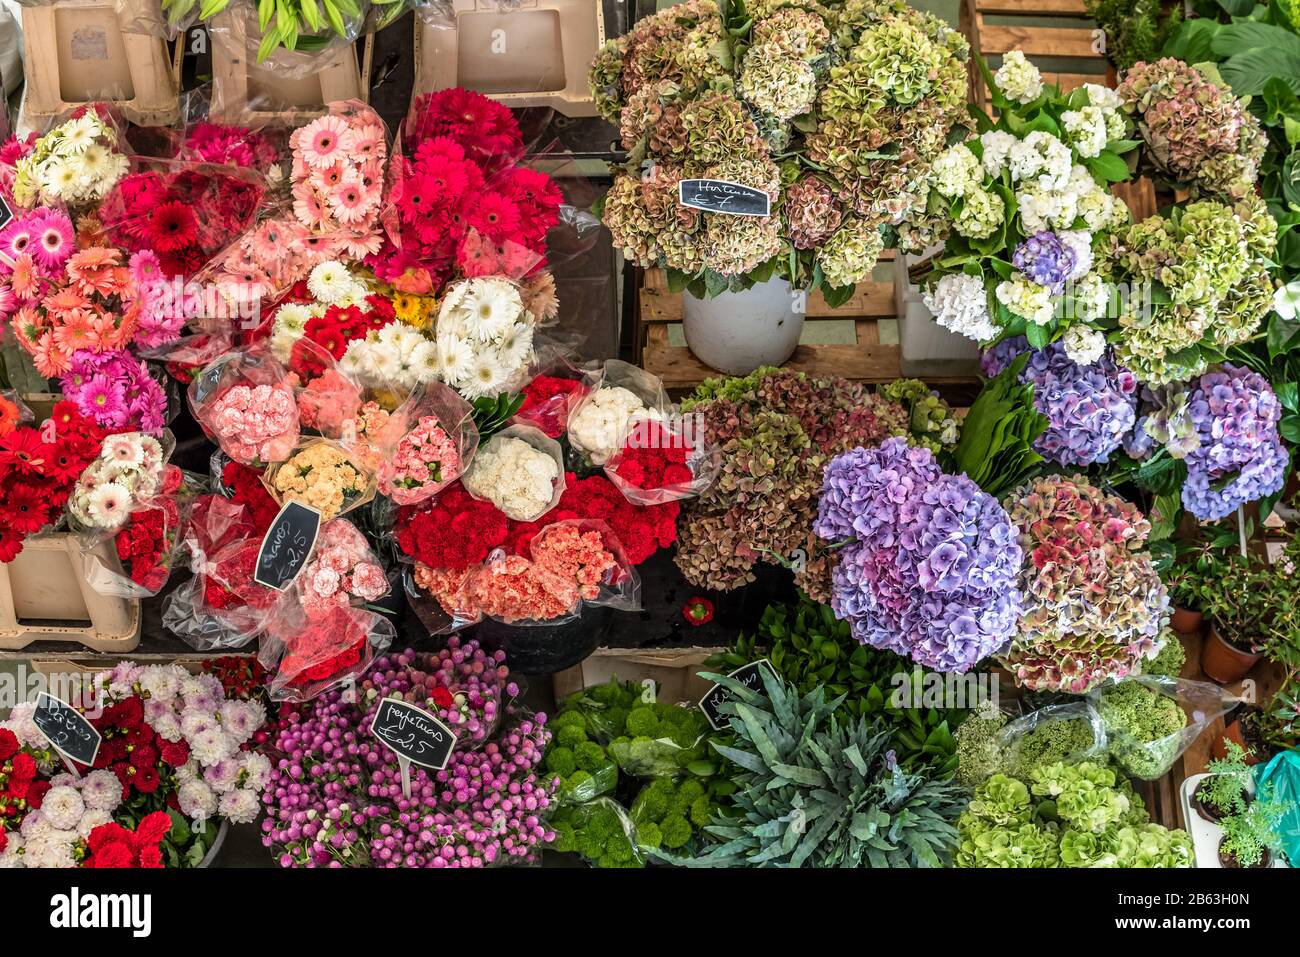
[[1090, 409], [931, 565], [1046, 260]]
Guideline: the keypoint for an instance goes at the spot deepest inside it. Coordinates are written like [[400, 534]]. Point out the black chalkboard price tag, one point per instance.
[[67, 729], [6, 213], [414, 735], [287, 545], [750, 676], [723, 196]]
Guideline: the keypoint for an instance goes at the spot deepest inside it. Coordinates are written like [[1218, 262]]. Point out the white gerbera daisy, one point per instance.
[[490, 307], [516, 346], [424, 362], [123, 452], [329, 281], [78, 135], [456, 358], [486, 376], [110, 504]]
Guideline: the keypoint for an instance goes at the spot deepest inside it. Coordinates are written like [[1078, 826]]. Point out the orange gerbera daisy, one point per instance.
[[8, 416], [78, 333], [25, 280], [66, 304], [91, 260], [28, 326], [50, 360]]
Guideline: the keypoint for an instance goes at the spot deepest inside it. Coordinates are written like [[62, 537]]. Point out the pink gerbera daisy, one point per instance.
[[16, 238], [103, 398], [55, 243], [308, 207], [349, 202], [145, 268], [320, 141], [364, 141], [8, 301]]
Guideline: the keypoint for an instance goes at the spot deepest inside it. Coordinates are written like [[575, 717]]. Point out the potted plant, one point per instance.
[[1250, 837], [1227, 788], [1245, 731], [1252, 608]]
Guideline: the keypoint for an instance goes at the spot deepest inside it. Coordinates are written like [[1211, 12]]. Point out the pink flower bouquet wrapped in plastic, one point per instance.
[[245, 402]]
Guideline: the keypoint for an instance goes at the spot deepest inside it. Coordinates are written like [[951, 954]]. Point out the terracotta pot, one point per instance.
[[1236, 733], [1186, 622], [1223, 662], [1230, 862]]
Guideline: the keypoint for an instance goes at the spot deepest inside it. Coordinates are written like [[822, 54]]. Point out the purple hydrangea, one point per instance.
[[1046, 260], [930, 571], [1240, 457], [1090, 409]]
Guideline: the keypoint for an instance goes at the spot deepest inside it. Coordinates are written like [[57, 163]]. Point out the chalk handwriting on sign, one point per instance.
[[287, 545], [413, 734], [67, 729], [723, 196], [750, 676]]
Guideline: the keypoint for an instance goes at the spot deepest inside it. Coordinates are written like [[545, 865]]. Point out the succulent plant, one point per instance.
[[812, 792]]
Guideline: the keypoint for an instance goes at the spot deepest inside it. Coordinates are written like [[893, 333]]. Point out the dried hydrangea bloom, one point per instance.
[[1094, 606], [1196, 131], [811, 213], [849, 255], [777, 83]]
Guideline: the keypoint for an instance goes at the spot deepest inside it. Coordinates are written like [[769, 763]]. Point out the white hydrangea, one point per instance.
[[1086, 129], [1102, 96], [959, 303], [981, 215], [1027, 299], [1079, 242], [514, 476], [1091, 297], [1083, 345], [1101, 210], [601, 423], [1040, 154], [957, 171], [1046, 208], [1019, 79], [997, 146]]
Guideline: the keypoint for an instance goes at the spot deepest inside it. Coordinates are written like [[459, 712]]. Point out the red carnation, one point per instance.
[[698, 611], [8, 744]]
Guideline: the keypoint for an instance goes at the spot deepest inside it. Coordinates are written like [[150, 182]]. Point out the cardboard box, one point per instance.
[[673, 670]]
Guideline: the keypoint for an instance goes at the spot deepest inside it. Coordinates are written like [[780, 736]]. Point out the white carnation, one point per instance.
[[600, 424], [514, 476]]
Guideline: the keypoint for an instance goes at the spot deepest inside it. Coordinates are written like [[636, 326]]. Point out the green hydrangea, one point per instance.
[[1085, 794], [1143, 728], [1169, 662]]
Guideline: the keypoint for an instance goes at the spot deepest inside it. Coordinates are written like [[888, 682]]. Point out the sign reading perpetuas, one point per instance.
[[413, 734], [750, 676], [287, 545], [723, 196], [67, 729]]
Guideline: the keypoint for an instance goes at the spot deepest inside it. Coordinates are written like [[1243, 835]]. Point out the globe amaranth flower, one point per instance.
[[1240, 457], [961, 304], [1090, 408], [930, 571], [1094, 606], [1045, 260]]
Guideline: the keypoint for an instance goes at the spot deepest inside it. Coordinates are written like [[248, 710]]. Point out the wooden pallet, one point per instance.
[[872, 357]]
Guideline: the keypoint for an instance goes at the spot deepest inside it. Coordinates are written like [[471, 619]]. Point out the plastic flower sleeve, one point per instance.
[[308, 655], [664, 461], [329, 401], [617, 395], [314, 38], [147, 17], [1150, 720], [138, 560], [13, 410], [436, 445], [1070, 732], [323, 475], [511, 470], [553, 382], [644, 757], [244, 401], [585, 829]]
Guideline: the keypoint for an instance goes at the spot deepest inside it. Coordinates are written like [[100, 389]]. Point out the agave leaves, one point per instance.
[[811, 792]]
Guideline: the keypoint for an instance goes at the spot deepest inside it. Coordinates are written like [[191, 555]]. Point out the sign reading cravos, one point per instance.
[[723, 196], [750, 676], [67, 729], [414, 735], [287, 545]]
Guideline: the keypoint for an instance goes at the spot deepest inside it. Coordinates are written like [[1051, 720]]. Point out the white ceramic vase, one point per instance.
[[736, 332]]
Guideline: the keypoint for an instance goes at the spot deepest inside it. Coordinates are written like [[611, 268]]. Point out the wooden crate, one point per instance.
[[74, 53], [44, 596], [872, 357], [675, 671], [535, 53], [239, 82]]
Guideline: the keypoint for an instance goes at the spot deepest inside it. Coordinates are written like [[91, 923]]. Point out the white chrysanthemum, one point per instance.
[[291, 320], [23, 726], [423, 362], [1019, 79], [101, 790], [240, 806], [1086, 129], [12, 855], [997, 146], [168, 728], [98, 161], [241, 719], [197, 801], [981, 215], [957, 171], [960, 303], [224, 775], [1027, 299], [62, 808], [211, 746], [196, 722], [61, 178], [329, 281], [55, 849], [1083, 345], [356, 359]]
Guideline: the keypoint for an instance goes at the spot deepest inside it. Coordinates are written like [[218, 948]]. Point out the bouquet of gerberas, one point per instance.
[[172, 744], [835, 114], [127, 472], [185, 213], [1199, 284], [38, 470], [465, 207], [239, 146], [1029, 203], [333, 307], [75, 164]]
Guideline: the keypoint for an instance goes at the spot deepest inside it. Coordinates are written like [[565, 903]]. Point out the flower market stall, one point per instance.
[[508, 462]]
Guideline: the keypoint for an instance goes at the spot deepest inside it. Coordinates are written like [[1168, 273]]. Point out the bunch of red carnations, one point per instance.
[[38, 468]]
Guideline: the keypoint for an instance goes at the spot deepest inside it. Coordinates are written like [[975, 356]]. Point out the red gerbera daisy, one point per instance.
[[25, 510], [23, 451], [172, 226]]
